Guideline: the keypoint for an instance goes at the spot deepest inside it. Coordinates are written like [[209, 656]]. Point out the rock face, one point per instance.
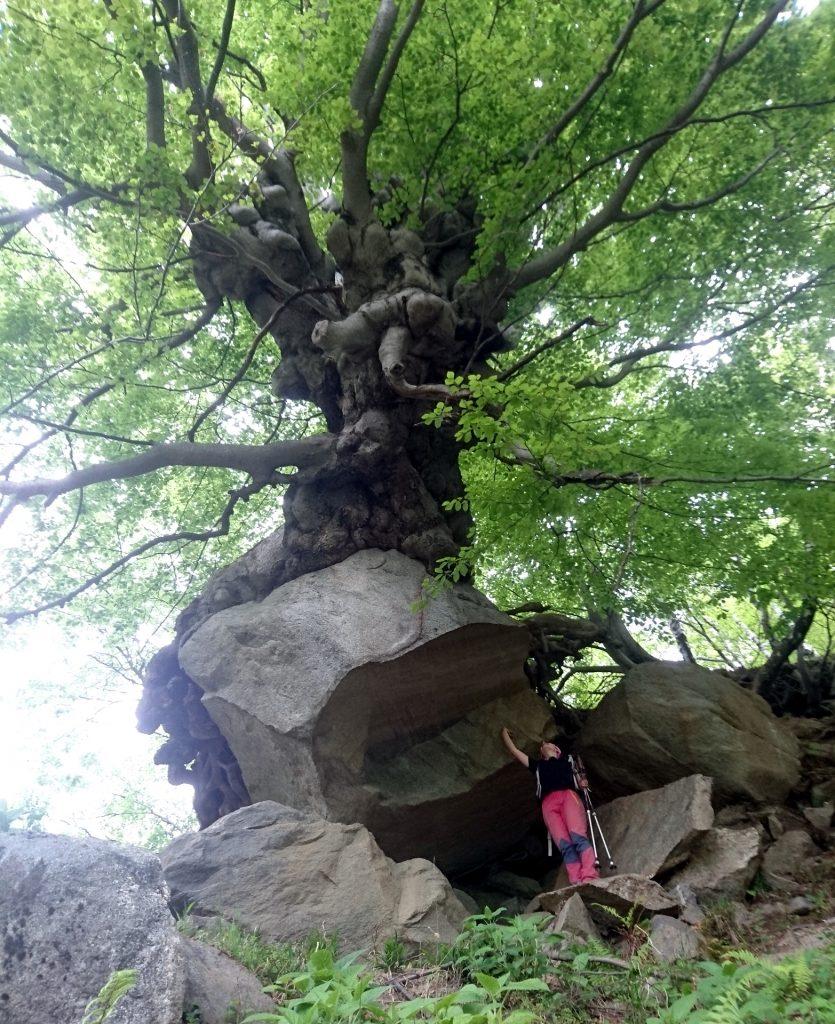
[[666, 720], [723, 864], [220, 989], [337, 696], [653, 832], [72, 911], [288, 874]]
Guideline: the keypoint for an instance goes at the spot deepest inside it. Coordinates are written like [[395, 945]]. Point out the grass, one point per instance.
[[512, 971]]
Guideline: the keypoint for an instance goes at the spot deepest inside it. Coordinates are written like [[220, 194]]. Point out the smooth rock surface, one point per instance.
[[621, 893], [653, 832], [288, 874], [788, 856], [73, 911], [218, 987], [672, 940], [667, 720], [337, 696], [723, 864]]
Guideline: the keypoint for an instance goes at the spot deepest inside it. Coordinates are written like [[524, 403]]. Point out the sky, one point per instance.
[[68, 739]]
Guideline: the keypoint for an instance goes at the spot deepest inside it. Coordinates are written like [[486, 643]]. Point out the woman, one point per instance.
[[562, 808]]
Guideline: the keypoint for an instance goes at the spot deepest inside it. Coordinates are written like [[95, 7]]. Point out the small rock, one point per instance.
[[691, 912], [823, 792], [732, 815], [800, 905], [672, 940], [513, 884], [820, 818], [723, 864], [739, 914], [575, 920], [786, 857], [219, 987], [468, 903], [775, 826]]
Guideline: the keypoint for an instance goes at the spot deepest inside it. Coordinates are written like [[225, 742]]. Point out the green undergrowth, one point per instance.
[[512, 971]]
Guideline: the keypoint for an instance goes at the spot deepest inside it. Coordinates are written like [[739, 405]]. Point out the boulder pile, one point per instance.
[[75, 910], [677, 858]]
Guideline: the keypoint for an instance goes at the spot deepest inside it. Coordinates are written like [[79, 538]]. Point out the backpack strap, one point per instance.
[[539, 796]]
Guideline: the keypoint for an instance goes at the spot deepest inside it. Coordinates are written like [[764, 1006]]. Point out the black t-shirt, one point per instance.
[[554, 773]]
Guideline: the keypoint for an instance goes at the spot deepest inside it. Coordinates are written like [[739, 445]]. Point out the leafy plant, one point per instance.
[[266, 960], [629, 926], [28, 814], [747, 990], [341, 991], [114, 989], [514, 948], [392, 955]]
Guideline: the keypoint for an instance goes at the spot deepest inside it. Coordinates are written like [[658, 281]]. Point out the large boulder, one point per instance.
[[666, 720], [723, 864], [73, 911], [288, 874], [339, 695], [653, 832]]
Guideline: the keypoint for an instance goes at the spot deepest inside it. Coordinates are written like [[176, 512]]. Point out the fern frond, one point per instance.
[[101, 1006]]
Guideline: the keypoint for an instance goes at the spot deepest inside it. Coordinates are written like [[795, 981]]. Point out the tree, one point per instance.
[[547, 286]]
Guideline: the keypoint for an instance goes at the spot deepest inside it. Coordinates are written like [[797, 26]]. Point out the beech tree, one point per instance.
[[535, 292]]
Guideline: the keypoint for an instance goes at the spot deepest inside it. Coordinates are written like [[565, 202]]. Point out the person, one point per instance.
[[562, 807]]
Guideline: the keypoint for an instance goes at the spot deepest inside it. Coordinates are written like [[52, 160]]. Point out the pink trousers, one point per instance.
[[565, 818]]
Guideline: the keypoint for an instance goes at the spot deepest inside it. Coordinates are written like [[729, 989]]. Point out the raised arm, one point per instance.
[[512, 749]]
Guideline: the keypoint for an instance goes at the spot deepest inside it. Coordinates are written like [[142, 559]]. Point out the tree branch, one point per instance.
[[783, 650], [221, 530], [279, 167], [640, 11], [356, 190], [665, 206], [601, 480], [694, 122], [259, 461], [222, 49], [520, 364], [187, 53], [628, 361], [546, 263], [154, 106], [375, 105], [250, 355]]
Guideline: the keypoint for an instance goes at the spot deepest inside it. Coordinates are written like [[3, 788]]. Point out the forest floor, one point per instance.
[[769, 958]]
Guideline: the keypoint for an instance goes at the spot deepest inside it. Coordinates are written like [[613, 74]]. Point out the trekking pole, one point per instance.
[[591, 815]]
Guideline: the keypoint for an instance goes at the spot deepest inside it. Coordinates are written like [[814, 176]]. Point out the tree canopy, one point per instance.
[[627, 205]]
